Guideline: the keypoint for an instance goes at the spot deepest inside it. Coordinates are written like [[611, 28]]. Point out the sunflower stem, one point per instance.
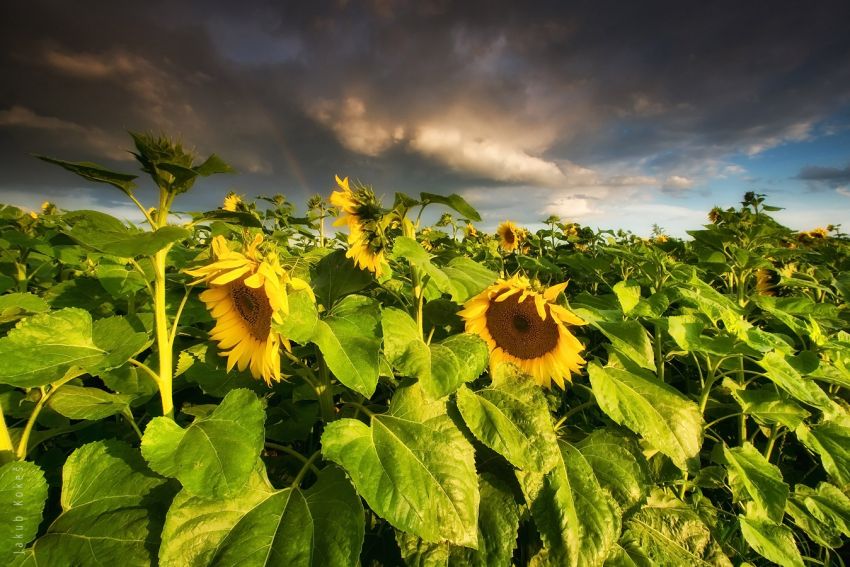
[[324, 391], [163, 340], [303, 472], [7, 449], [128, 415], [23, 444]]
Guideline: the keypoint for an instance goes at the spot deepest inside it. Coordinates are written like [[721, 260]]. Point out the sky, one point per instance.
[[611, 114]]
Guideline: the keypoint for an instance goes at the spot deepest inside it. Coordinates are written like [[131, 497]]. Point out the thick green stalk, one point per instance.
[[163, 339], [23, 444], [7, 449]]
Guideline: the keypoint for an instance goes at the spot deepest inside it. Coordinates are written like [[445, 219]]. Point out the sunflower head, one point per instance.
[[232, 202], [364, 215], [470, 231], [814, 234], [246, 293], [526, 327], [766, 281], [510, 236]]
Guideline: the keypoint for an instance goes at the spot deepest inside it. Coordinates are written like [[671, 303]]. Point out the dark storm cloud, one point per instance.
[[433, 95], [820, 177]]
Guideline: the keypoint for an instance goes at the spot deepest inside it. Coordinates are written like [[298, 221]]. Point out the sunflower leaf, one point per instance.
[[454, 201], [96, 173], [323, 525], [577, 520], [350, 341], [831, 441], [618, 464], [658, 412], [107, 234], [40, 349], [112, 510], [77, 402], [216, 454], [761, 479], [23, 491], [772, 541], [415, 470], [512, 418], [454, 361]]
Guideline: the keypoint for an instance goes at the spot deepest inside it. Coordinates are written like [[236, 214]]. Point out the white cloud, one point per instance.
[[488, 158], [797, 132], [678, 182], [354, 127]]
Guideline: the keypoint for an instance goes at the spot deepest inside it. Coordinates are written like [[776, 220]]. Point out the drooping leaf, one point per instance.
[[618, 464], [77, 402], [670, 533], [828, 504], [113, 508], [336, 276], [120, 339], [96, 173], [772, 541], [577, 520], [455, 360], [350, 341], [215, 455], [654, 410], [628, 294], [781, 373], [23, 492], [300, 323], [107, 234], [831, 441], [761, 480], [456, 202], [767, 405], [403, 346], [512, 418], [261, 526], [467, 277], [498, 522], [414, 470], [631, 339], [13, 306]]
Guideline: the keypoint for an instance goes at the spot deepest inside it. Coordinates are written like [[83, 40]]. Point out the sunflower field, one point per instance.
[[251, 386]]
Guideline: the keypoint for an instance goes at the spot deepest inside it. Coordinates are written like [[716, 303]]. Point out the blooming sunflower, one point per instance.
[[526, 328], [247, 292], [362, 213], [510, 236], [231, 202]]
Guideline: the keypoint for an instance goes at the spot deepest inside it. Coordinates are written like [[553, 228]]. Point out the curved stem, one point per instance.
[[362, 408], [21, 453], [146, 369], [292, 453], [305, 468], [579, 408], [128, 415], [177, 316]]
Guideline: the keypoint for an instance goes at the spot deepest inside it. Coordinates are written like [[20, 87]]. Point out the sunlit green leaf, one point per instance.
[[831, 441], [23, 492], [772, 541], [77, 402], [761, 479], [618, 464]]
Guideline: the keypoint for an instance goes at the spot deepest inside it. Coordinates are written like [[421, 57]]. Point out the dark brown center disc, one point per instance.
[[254, 308], [518, 329]]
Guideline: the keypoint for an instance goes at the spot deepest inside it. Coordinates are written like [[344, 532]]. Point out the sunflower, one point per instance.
[[526, 328], [362, 213], [510, 236], [247, 292], [231, 202]]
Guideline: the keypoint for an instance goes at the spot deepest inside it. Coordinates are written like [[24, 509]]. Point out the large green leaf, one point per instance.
[[831, 441], [512, 418], [300, 323], [40, 349], [658, 412], [350, 341], [468, 278], [96, 173], [772, 541], [105, 233], [439, 367], [577, 520], [671, 533], [455, 360], [113, 507], [618, 464], [14, 305], [403, 346], [628, 294], [767, 405], [687, 331], [415, 469], [77, 402], [23, 492], [454, 201], [761, 480], [336, 276], [216, 454], [409, 249], [828, 504], [781, 373], [120, 339], [261, 526], [498, 522], [630, 339]]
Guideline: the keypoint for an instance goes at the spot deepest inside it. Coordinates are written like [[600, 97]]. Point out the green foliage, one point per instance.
[[709, 425]]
